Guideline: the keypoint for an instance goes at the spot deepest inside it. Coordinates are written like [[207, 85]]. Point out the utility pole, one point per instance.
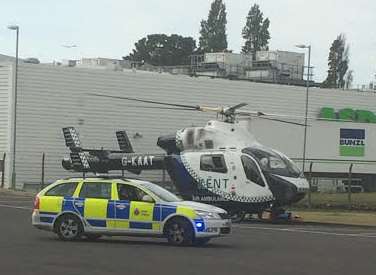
[[13, 184]]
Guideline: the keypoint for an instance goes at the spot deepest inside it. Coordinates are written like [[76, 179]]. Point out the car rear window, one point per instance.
[[64, 189]]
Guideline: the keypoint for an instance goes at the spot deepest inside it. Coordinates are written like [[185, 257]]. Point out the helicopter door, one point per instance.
[[252, 171], [214, 173]]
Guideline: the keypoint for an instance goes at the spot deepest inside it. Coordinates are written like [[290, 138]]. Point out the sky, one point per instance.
[[109, 28]]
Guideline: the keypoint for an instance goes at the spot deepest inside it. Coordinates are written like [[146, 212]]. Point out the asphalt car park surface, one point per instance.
[[250, 249]]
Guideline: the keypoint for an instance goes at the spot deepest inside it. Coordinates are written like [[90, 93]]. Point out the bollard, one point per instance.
[[310, 185], [349, 186], [42, 176], [3, 170]]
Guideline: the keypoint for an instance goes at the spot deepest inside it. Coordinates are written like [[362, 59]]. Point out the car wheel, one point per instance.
[[69, 228], [93, 237], [179, 232], [201, 241]]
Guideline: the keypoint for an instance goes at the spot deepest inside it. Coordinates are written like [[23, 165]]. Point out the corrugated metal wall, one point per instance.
[[5, 97], [53, 97]]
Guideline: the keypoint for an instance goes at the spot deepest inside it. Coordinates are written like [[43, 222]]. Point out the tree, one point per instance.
[[213, 31], [349, 78], [163, 50], [338, 62], [256, 32]]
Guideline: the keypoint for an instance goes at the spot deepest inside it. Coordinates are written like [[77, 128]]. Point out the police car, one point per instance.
[[93, 207]]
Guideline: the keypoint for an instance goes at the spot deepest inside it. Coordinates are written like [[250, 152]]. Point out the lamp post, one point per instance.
[[302, 46], [13, 184]]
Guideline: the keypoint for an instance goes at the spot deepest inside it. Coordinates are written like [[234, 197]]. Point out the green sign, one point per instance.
[[348, 114]]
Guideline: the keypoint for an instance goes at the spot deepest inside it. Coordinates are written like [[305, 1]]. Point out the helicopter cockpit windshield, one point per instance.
[[273, 162]]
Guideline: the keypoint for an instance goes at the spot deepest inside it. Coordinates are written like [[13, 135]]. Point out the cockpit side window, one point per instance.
[[213, 163], [251, 171]]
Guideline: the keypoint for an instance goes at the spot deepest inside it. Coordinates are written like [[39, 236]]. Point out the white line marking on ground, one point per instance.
[[16, 207], [15, 201], [360, 235]]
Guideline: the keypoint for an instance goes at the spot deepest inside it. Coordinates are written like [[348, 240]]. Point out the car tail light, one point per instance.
[[36, 203]]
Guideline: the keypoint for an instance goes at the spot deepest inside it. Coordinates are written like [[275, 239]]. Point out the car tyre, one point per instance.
[[179, 232], [69, 228]]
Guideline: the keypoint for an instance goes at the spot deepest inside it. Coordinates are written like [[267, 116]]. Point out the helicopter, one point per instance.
[[220, 163]]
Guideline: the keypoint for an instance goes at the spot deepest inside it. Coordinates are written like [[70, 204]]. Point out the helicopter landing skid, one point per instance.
[[238, 216]]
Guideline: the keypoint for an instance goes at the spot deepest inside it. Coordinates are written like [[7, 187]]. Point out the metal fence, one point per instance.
[[2, 169], [345, 190]]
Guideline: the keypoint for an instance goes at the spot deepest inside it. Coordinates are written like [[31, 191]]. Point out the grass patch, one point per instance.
[[359, 201], [338, 217]]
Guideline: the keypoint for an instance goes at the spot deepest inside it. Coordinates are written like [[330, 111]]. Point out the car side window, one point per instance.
[[64, 189], [213, 163], [130, 193], [96, 190], [251, 171]]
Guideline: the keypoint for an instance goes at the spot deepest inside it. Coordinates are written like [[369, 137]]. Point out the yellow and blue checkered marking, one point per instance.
[[116, 213]]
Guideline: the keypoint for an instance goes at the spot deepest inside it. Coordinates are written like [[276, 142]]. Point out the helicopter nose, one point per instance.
[[287, 190], [301, 184]]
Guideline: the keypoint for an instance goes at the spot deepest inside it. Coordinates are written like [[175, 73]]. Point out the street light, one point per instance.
[[15, 28], [302, 46]]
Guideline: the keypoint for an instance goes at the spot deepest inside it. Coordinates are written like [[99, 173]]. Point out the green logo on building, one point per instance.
[[348, 114], [352, 142]]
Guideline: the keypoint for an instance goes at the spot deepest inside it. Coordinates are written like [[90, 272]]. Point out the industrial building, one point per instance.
[[52, 97], [281, 67]]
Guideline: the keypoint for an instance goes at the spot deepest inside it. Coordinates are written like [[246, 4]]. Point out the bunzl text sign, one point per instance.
[[352, 142]]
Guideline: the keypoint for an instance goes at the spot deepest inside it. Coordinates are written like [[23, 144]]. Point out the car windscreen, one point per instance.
[[160, 192], [273, 162]]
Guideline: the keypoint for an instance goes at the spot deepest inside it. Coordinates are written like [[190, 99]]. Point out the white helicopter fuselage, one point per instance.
[[227, 164], [228, 180]]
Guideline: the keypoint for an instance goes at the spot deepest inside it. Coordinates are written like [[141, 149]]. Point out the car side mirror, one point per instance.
[[147, 198]]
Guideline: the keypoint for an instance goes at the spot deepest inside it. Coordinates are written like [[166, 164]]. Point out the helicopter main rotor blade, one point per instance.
[[231, 110], [192, 107], [158, 107], [294, 117], [262, 115], [283, 121]]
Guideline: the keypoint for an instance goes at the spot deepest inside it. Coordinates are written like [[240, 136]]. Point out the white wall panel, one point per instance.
[[5, 108], [53, 97]]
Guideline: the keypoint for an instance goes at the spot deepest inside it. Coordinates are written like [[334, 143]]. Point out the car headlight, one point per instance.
[[207, 215]]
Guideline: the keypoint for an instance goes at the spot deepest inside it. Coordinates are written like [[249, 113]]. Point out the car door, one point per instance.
[[95, 205], [132, 213], [53, 201]]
